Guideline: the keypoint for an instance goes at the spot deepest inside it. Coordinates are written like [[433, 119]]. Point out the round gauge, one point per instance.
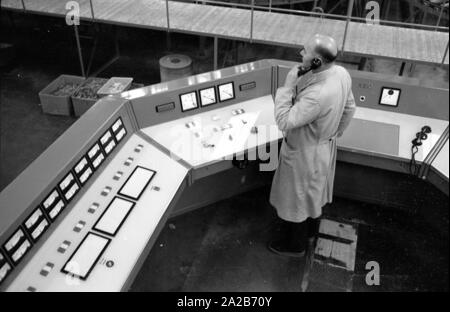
[[226, 92], [188, 101], [208, 96]]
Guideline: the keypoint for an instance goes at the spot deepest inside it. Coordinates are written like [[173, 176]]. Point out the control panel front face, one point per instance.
[[63, 193], [198, 94], [221, 133], [99, 242]]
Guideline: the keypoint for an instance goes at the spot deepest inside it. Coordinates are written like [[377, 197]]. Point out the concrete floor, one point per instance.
[[221, 247]]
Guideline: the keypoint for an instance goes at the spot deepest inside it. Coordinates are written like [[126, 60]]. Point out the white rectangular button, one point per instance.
[[21, 251], [14, 240], [56, 210], [4, 271], [38, 231], [33, 219], [117, 125], [121, 134]]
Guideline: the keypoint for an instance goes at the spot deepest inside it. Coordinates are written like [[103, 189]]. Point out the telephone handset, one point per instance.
[[315, 63]]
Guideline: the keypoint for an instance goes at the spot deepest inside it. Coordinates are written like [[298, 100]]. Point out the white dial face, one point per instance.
[[226, 92], [207, 96], [188, 101], [390, 96]]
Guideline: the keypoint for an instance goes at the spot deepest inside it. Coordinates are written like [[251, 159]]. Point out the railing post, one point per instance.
[[440, 16], [216, 48], [92, 10], [23, 5], [445, 53], [167, 15], [270, 5], [80, 53], [349, 16], [251, 21]]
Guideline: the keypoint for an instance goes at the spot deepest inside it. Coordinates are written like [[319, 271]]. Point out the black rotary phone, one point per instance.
[[315, 63]]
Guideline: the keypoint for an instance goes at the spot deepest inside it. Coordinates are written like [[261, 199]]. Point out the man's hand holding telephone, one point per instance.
[[295, 74]]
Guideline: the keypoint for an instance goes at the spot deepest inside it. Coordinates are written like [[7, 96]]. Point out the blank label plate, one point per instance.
[[114, 216], [86, 256], [137, 182]]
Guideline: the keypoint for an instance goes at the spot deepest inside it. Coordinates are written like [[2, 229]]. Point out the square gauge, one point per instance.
[[208, 96], [188, 101], [226, 92], [390, 96]]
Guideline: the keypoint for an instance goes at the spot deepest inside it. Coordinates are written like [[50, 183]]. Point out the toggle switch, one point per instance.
[[106, 191], [80, 225], [138, 148], [226, 126], [47, 269], [118, 175], [93, 208], [64, 246], [190, 124], [237, 111], [128, 161]]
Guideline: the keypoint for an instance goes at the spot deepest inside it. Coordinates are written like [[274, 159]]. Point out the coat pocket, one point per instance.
[[298, 168]]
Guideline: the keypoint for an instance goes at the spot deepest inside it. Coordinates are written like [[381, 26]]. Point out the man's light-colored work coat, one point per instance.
[[311, 118]]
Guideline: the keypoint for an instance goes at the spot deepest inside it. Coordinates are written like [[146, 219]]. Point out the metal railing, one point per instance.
[[270, 9]]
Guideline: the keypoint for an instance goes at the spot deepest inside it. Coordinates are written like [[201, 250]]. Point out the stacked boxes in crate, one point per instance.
[[86, 95], [73, 94]]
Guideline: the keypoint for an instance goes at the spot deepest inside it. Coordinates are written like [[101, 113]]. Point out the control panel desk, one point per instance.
[[97, 245]]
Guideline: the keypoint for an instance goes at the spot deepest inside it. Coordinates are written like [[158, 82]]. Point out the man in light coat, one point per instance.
[[312, 110]]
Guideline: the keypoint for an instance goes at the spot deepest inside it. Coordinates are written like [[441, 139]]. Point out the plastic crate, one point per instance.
[[135, 85], [115, 85], [86, 95], [57, 101]]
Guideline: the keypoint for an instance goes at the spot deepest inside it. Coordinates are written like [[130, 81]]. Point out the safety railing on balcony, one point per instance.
[[255, 6]]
